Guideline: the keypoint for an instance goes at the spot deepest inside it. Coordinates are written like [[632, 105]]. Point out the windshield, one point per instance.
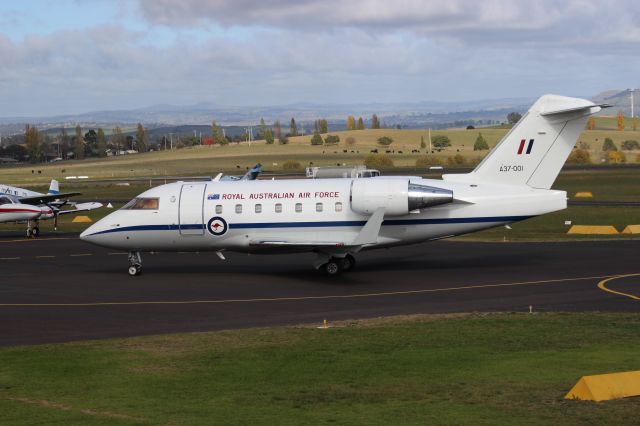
[[5, 200], [142, 204]]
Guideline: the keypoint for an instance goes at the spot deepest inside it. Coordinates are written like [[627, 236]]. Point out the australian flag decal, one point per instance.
[[213, 196]]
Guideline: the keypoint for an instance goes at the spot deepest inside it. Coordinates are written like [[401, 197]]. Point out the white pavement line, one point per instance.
[[81, 254], [45, 257], [117, 254], [9, 258]]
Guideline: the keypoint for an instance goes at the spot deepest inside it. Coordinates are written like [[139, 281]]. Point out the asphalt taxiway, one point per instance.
[[58, 288]]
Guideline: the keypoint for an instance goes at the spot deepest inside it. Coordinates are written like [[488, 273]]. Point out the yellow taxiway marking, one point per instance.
[[30, 240], [302, 298], [602, 286]]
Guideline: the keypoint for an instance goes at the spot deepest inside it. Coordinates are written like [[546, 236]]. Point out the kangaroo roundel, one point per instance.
[[217, 226]]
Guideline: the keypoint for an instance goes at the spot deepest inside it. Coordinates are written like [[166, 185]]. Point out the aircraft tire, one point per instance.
[[36, 232], [348, 263], [29, 233], [333, 267], [134, 270]]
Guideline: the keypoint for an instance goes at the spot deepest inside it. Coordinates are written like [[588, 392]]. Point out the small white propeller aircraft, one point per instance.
[[336, 218], [19, 204]]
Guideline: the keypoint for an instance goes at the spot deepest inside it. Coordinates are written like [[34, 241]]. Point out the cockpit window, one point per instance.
[[142, 204], [5, 200]]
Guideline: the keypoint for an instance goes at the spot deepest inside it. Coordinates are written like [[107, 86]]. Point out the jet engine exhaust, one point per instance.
[[422, 196]]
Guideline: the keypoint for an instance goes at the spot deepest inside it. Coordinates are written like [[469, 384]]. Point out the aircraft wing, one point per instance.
[[46, 198], [83, 207]]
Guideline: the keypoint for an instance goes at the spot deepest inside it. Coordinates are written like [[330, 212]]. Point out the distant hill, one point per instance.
[[619, 101]]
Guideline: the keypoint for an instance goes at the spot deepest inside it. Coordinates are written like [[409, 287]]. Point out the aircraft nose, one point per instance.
[[86, 235]]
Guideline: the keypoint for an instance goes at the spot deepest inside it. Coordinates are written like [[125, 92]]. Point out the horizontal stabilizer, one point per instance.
[[45, 198], [586, 108]]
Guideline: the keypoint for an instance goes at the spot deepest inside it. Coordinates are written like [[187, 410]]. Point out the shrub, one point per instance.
[[440, 141], [283, 140], [456, 160], [291, 165], [385, 141], [584, 145], [630, 145], [332, 140], [316, 139], [608, 145], [579, 156], [480, 143], [429, 160], [616, 157], [380, 161], [350, 140]]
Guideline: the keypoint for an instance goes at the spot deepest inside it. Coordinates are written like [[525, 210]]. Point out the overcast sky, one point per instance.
[[72, 56]]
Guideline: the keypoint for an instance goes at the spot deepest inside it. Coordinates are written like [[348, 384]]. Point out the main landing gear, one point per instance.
[[33, 231], [335, 265], [135, 263]]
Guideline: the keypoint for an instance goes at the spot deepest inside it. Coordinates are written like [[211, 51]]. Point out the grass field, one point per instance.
[[467, 369], [236, 158]]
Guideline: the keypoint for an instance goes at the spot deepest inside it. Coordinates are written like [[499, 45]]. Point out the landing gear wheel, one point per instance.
[[29, 232], [135, 263], [348, 263], [135, 270], [333, 267], [35, 232]]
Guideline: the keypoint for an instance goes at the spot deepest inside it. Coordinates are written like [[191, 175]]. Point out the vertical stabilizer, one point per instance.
[[54, 188], [535, 150]]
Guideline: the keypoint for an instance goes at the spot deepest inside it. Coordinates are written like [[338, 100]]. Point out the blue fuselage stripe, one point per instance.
[[326, 224]]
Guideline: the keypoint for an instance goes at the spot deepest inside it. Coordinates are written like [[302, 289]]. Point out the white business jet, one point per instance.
[[19, 204], [336, 218]]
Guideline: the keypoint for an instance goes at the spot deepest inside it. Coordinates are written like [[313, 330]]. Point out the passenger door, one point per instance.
[[190, 217]]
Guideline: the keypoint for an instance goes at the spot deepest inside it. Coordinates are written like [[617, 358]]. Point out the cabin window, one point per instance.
[[338, 206], [258, 208], [318, 207], [219, 209], [5, 200], [238, 208], [298, 207], [278, 208], [142, 204]]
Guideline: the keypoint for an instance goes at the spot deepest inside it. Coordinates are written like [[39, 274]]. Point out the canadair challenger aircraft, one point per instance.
[[336, 218]]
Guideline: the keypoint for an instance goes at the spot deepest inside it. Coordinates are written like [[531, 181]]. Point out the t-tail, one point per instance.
[[536, 148], [54, 188]]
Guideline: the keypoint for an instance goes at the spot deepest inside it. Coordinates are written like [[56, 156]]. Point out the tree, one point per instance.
[[277, 129], [360, 125], [616, 157], [620, 121], [283, 140], [78, 145], [293, 127], [385, 141], [101, 143], [422, 144], [316, 139], [351, 123], [117, 139], [216, 134], [91, 138], [263, 128], [608, 145], [513, 117], [332, 140], [64, 140], [268, 136], [480, 143], [440, 141], [375, 122], [142, 141], [32, 142], [322, 126], [591, 123]]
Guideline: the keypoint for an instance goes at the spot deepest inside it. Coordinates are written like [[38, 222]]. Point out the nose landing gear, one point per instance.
[[33, 231], [135, 263]]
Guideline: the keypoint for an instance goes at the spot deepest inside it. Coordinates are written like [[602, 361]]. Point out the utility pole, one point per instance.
[[429, 139], [631, 96], [171, 140]]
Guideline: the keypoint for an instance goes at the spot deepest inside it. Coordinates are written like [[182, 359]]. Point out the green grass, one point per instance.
[[478, 369]]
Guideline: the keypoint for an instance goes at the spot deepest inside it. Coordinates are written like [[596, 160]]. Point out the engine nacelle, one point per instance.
[[397, 196], [47, 212]]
